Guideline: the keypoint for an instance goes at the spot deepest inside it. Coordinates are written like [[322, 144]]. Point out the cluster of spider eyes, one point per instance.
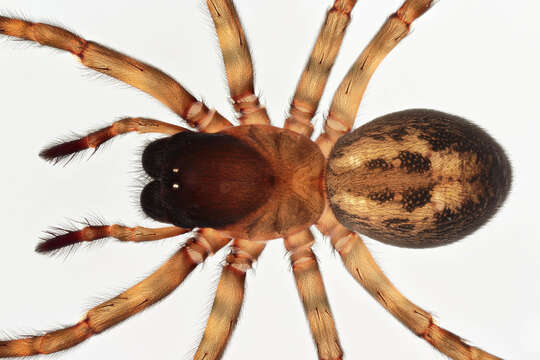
[[175, 186]]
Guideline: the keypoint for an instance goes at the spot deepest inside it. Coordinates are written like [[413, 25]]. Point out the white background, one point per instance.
[[478, 59]]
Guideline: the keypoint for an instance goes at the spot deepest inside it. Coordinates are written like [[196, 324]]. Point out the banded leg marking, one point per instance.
[[237, 60], [137, 298], [364, 269], [313, 80], [313, 295], [124, 68], [228, 300], [60, 238], [94, 140], [348, 96]]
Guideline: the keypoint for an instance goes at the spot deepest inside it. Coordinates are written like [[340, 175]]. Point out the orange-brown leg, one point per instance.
[[349, 94], [237, 60], [112, 63], [94, 140], [313, 80], [60, 238], [364, 269], [311, 290], [228, 300], [152, 289]]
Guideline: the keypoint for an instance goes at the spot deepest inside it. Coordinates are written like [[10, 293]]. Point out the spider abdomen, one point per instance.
[[417, 178], [254, 182]]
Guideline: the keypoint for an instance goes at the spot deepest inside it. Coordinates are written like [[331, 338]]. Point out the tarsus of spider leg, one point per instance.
[[313, 80], [94, 140], [124, 68], [348, 96], [361, 265], [313, 295], [147, 292], [59, 238], [228, 299], [237, 61]]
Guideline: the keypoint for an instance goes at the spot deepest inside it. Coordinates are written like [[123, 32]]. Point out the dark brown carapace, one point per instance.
[[417, 178], [254, 182]]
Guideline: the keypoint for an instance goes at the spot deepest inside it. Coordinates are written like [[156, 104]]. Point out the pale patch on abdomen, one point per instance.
[[418, 178]]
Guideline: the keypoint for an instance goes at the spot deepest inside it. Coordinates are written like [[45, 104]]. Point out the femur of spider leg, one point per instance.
[[124, 68], [361, 265], [321, 60], [347, 98], [228, 299], [313, 295], [97, 138], [137, 298], [60, 238], [237, 61]]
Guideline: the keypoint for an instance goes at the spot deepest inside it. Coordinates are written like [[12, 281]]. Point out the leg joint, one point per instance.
[[343, 6]]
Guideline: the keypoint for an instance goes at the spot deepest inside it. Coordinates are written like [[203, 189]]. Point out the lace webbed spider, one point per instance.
[[335, 310]]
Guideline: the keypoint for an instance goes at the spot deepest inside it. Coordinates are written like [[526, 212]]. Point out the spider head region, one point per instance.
[[203, 180]]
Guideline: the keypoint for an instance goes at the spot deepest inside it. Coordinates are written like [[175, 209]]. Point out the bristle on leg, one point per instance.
[[67, 149], [132, 301], [62, 150], [59, 238]]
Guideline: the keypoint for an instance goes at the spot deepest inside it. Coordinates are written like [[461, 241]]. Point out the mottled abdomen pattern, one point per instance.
[[417, 178]]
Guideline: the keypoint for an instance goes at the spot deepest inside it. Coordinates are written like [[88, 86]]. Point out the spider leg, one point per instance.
[[60, 238], [311, 290], [348, 96], [228, 300], [147, 292], [313, 80], [112, 63], [95, 139], [364, 269], [237, 60]]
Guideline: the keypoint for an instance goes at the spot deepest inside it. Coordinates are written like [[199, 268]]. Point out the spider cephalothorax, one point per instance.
[[417, 178], [256, 182]]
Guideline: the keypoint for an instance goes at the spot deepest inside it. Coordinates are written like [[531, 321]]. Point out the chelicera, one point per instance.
[[415, 178]]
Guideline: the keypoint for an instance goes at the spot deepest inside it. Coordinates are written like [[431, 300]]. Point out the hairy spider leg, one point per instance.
[[313, 80], [112, 63], [350, 246], [94, 140], [364, 269], [311, 290], [237, 60], [348, 96], [137, 298], [229, 298], [60, 238]]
